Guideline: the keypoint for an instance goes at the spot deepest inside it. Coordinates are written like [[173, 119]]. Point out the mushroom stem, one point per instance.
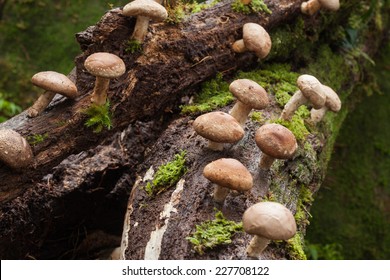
[[240, 112], [215, 146], [266, 161], [310, 7], [220, 193], [141, 28], [316, 115], [256, 246], [40, 104], [239, 46], [292, 105], [99, 95]]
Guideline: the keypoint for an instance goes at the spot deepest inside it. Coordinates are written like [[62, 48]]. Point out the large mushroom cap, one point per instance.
[[55, 82], [276, 141], [15, 152], [218, 127], [333, 101], [106, 65], [229, 173], [270, 220], [312, 89], [250, 93], [146, 8], [256, 39], [332, 5]]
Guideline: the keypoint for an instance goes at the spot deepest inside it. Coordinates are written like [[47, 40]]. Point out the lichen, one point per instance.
[[213, 233], [167, 175], [255, 6]]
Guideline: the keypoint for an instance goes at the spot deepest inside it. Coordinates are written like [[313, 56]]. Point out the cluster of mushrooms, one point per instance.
[[266, 220]]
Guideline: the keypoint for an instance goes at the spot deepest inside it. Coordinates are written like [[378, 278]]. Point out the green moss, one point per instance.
[[181, 9], [213, 233], [255, 6], [167, 175], [133, 46], [297, 124], [257, 116], [305, 200], [99, 117], [295, 247], [213, 94], [36, 138]]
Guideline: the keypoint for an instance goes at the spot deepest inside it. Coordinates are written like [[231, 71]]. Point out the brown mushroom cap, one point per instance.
[[55, 82], [147, 8], [332, 5], [270, 220], [15, 152], [256, 39], [250, 93], [106, 65], [312, 89], [229, 173], [333, 101], [218, 127], [276, 141]]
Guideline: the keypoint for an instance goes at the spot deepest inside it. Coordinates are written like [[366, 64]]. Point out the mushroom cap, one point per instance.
[[250, 93], [229, 173], [15, 152], [218, 127], [270, 220], [106, 65], [332, 5], [146, 8], [256, 39], [55, 82], [276, 141], [333, 101], [312, 89]]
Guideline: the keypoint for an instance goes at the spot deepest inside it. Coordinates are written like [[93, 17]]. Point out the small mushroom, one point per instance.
[[144, 10], [52, 82], [15, 152], [104, 66], [250, 95], [228, 174], [275, 142], [218, 127], [255, 39], [310, 91], [267, 221], [312, 6], [332, 103]]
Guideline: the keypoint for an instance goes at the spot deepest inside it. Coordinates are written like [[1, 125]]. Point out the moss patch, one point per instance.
[[297, 124], [99, 117], [295, 247], [167, 175], [211, 234], [255, 6]]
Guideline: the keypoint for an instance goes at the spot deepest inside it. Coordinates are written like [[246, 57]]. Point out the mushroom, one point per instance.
[[228, 174], [52, 82], [250, 95], [218, 127], [310, 91], [312, 6], [144, 10], [275, 142], [267, 221], [15, 152], [332, 103], [104, 66], [255, 39]]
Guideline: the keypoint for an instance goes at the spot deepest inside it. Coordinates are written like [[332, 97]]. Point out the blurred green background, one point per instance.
[[351, 214]]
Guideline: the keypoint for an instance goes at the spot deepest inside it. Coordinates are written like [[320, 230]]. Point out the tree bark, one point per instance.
[[82, 182]]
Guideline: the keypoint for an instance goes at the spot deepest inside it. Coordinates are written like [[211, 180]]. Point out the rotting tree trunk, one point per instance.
[[80, 181]]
